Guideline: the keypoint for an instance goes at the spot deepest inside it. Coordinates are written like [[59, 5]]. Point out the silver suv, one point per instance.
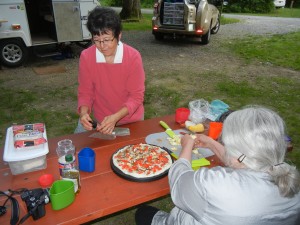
[[194, 18]]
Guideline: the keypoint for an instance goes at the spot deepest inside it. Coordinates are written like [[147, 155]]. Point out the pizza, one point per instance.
[[142, 161]]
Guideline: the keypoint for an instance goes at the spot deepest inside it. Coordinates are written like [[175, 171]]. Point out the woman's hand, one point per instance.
[[109, 122], [107, 125], [187, 143], [85, 121], [204, 141]]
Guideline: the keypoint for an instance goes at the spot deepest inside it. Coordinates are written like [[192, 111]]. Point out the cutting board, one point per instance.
[[161, 139]]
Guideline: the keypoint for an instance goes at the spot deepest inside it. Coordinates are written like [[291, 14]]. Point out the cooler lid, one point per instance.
[[12, 154]]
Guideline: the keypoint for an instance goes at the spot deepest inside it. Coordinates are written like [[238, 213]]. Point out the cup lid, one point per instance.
[[46, 180], [69, 158]]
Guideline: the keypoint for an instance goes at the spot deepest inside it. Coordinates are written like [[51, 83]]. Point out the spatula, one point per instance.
[[169, 131]]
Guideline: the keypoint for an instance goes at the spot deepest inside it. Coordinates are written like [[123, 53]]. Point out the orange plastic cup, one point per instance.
[[182, 115], [215, 129]]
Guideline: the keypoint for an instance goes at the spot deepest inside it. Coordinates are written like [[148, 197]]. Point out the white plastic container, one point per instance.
[[27, 159]]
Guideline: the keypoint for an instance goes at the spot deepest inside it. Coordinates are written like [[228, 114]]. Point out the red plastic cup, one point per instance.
[[182, 115], [46, 180], [215, 129]]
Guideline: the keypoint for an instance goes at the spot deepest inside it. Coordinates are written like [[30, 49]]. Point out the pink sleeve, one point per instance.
[[135, 84], [85, 87]]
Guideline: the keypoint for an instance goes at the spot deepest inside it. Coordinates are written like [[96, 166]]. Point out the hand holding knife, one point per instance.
[[118, 131], [94, 124]]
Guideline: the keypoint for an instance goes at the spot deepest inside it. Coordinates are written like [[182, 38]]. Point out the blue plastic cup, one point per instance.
[[86, 158]]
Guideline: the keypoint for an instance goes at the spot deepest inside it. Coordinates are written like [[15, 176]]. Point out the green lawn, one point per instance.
[[283, 12]]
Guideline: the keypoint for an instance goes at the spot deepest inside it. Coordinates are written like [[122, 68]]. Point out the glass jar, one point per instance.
[[64, 148]]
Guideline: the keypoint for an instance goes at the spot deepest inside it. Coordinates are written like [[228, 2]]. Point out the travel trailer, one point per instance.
[[279, 3], [29, 25]]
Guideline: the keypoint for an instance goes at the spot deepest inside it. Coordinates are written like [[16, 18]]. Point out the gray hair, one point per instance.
[[258, 135]]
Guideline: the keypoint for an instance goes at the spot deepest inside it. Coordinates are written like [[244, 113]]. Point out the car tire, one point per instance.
[[159, 36], [206, 37], [216, 28], [13, 52]]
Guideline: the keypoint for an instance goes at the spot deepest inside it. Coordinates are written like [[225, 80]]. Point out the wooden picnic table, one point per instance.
[[102, 191]]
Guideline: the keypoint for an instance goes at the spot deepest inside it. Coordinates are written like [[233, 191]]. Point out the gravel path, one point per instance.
[[168, 54], [259, 25]]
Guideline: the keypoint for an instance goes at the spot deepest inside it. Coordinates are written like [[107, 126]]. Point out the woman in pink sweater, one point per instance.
[[111, 76]]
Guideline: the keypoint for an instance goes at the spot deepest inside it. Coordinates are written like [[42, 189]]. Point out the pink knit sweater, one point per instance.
[[106, 88]]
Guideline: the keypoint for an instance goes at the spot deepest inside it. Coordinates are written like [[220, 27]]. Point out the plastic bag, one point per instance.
[[199, 109], [217, 108]]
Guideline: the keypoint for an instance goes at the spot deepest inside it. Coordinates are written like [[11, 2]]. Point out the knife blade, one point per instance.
[[118, 131], [121, 131], [169, 131], [103, 136]]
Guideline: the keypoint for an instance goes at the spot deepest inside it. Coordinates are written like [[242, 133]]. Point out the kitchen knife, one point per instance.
[[103, 136], [118, 131], [121, 131], [169, 131]]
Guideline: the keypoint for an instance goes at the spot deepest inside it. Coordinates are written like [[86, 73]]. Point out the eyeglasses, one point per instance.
[[241, 158], [104, 42]]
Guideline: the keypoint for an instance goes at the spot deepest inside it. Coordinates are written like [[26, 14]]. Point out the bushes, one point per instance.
[[249, 6], [118, 3], [111, 2], [296, 3]]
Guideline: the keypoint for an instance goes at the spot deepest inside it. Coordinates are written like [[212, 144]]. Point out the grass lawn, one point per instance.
[[283, 12]]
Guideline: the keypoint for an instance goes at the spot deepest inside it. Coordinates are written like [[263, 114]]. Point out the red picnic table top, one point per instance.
[[102, 191]]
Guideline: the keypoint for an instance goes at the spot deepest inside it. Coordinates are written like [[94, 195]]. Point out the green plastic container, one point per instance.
[[62, 194]]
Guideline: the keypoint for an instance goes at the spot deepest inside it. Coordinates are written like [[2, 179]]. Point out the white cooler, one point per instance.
[[27, 159]]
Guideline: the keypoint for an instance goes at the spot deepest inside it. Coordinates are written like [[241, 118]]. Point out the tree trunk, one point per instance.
[[131, 10]]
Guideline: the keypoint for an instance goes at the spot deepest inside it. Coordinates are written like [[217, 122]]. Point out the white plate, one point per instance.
[[161, 139]]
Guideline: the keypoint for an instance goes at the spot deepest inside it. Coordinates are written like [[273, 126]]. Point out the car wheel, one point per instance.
[[159, 36], [206, 37], [215, 29], [13, 52]]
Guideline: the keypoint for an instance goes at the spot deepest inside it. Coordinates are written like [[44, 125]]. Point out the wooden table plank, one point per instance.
[[102, 192]]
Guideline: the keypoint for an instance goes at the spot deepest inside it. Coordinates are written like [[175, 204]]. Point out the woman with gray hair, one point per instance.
[[255, 187]]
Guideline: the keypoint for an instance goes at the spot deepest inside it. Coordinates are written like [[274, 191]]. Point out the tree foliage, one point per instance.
[[118, 3], [294, 3], [249, 6]]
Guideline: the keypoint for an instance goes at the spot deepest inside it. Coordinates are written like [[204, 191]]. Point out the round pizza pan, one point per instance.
[[131, 178]]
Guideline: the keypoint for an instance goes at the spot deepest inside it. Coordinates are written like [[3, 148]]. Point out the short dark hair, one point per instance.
[[101, 20]]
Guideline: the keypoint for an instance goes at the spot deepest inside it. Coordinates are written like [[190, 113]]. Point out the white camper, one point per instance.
[[30, 24], [279, 3]]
